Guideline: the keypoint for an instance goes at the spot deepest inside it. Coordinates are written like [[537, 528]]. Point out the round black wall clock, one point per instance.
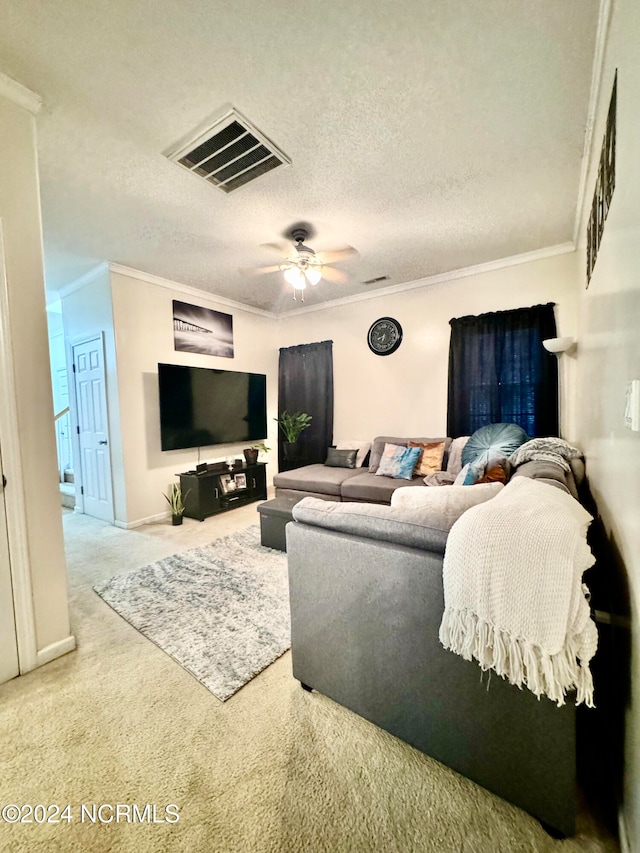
[[384, 336]]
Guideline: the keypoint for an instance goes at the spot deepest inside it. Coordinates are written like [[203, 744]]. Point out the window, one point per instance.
[[499, 372]]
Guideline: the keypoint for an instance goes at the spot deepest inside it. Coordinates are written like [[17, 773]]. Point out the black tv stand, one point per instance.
[[219, 489]]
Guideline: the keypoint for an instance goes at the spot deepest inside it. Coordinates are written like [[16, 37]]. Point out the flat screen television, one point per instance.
[[201, 406]]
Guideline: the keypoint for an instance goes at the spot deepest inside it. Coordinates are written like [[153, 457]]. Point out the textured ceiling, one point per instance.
[[429, 135]]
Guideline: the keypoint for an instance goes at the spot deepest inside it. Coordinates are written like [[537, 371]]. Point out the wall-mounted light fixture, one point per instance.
[[558, 345]]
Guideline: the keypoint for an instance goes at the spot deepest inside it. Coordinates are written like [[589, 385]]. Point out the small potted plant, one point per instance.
[[251, 453], [292, 424], [175, 499]]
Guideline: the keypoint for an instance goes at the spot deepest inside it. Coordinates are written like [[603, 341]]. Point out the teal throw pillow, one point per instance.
[[470, 474], [398, 462], [492, 441]]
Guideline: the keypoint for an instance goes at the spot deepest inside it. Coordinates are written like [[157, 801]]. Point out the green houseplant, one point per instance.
[[292, 424], [251, 453], [175, 499]]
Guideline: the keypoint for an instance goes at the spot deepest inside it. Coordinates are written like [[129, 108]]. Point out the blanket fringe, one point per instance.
[[516, 660]]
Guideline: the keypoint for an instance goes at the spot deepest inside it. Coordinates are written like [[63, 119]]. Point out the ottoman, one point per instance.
[[274, 516]]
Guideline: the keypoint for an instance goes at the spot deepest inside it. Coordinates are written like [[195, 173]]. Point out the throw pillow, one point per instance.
[[442, 507], [341, 458], [494, 474], [398, 462], [469, 474], [379, 442], [361, 446], [377, 449], [493, 440], [430, 458]]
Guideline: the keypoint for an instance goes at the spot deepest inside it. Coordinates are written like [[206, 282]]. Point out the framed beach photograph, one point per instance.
[[227, 484], [202, 330]]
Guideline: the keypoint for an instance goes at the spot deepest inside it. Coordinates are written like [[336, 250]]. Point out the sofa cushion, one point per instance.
[[371, 487], [298, 495], [377, 448], [314, 478], [454, 457], [398, 462], [341, 458], [442, 507], [383, 523]]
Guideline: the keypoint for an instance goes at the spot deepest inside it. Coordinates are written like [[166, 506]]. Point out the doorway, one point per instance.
[[94, 457]]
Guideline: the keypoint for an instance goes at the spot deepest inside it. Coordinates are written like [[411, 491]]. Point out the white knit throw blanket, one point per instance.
[[513, 591]]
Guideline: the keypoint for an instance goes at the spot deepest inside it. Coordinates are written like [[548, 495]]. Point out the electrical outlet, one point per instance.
[[632, 407]]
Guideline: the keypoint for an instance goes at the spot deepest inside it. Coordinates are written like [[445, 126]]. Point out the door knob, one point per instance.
[[102, 442]]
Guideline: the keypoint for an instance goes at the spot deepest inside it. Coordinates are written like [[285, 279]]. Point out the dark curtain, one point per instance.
[[305, 384], [499, 372]]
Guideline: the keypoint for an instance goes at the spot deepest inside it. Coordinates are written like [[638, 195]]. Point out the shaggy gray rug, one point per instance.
[[221, 611]]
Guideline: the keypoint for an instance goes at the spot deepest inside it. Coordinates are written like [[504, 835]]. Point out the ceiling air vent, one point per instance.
[[229, 153], [376, 280]]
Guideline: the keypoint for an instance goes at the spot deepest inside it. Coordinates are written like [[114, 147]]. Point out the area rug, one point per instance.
[[221, 611]]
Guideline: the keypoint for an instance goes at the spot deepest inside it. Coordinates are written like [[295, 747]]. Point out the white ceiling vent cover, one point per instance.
[[229, 153]]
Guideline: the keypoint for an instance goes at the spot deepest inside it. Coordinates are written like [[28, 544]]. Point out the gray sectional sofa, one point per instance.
[[366, 595], [350, 484]]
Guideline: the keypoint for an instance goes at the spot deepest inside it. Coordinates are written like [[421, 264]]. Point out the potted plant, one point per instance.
[[292, 424], [175, 499], [251, 453]]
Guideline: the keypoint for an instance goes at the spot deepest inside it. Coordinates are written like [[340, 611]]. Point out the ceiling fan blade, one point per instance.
[[280, 248], [259, 270], [334, 275], [334, 255]]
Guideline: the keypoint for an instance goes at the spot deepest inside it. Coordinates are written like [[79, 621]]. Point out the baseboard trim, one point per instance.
[[623, 835], [129, 525], [55, 650]]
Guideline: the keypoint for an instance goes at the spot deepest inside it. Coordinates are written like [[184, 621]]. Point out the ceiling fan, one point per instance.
[[303, 265]]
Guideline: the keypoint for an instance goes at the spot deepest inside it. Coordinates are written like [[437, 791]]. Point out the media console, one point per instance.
[[219, 488]]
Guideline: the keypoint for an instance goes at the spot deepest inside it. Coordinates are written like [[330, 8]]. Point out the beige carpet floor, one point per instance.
[[272, 769]]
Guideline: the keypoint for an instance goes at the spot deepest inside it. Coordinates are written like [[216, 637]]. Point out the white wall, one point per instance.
[[406, 393], [143, 316], [609, 354], [33, 470]]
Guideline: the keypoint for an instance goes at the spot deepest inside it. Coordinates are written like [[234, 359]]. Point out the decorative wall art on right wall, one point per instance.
[[605, 185]]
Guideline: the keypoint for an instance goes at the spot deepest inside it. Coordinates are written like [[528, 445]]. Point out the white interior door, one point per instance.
[[93, 431], [9, 666]]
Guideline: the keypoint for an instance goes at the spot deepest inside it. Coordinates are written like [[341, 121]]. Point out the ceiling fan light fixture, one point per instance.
[[295, 276], [302, 266]]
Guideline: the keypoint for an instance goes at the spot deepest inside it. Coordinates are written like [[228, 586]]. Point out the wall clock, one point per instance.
[[384, 336]]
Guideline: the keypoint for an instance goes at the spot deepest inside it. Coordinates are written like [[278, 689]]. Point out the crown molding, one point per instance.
[[431, 281], [442, 278], [187, 290], [79, 283], [604, 19], [19, 94]]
